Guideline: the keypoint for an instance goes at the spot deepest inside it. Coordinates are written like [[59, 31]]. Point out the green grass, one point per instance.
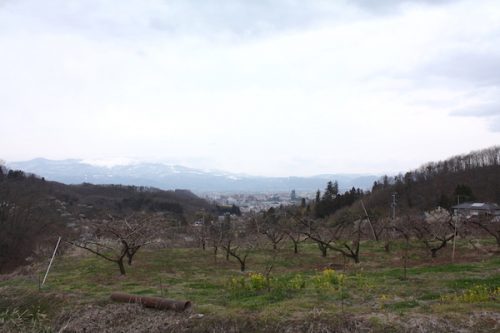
[[461, 284], [375, 284]]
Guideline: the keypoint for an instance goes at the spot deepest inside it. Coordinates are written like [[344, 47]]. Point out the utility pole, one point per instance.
[[457, 216], [390, 228], [393, 205]]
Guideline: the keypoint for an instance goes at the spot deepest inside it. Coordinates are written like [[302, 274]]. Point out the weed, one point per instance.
[[475, 294], [28, 320], [328, 279]]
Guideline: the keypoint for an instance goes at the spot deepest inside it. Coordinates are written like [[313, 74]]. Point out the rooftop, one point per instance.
[[477, 206]]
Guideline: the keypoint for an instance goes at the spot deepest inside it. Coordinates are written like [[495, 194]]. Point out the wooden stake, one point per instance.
[[370, 222], [50, 263]]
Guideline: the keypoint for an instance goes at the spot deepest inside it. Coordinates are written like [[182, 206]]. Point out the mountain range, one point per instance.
[[167, 177]]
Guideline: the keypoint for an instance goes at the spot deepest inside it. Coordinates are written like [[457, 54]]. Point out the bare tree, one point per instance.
[[341, 235], [295, 232], [239, 252], [402, 230], [270, 224], [486, 224], [216, 235], [435, 231], [201, 228], [240, 241], [222, 235], [319, 232], [118, 239]]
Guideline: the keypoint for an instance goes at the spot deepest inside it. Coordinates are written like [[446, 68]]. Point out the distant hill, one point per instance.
[[34, 211], [169, 177], [107, 199], [469, 177]]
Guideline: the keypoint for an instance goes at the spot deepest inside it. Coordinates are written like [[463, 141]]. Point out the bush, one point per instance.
[[328, 279], [257, 282]]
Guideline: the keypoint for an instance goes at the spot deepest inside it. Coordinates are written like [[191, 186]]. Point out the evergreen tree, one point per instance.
[[331, 191], [464, 193], [444, 202]]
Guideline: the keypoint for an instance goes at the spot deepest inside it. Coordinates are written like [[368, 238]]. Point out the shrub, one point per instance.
[[328, 279], [257, 281], [296, 282]]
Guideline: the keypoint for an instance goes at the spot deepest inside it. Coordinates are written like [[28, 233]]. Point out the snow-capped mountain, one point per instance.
[[164, 176]]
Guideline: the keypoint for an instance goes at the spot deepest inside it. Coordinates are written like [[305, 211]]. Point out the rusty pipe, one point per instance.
[[152, 302]]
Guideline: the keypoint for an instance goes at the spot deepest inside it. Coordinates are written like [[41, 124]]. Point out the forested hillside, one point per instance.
[[469, 177], [34, 212]]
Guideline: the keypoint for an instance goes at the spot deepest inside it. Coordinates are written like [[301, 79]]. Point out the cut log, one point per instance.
[[152, 302]]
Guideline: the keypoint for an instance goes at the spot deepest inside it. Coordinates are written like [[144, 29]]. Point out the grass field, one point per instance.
[[300, 287]]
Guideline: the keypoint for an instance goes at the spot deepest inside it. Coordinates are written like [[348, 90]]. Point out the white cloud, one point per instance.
[[262, 87]]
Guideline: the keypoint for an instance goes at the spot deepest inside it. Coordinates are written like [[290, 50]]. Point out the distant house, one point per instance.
[[470, 209]]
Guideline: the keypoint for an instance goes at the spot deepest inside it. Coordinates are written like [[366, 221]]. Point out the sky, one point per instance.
[[276, 88]]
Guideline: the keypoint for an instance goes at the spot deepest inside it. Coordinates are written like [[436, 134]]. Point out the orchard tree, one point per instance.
[[201, 228], [341, 234], [435, 232], [244, 239], [271, 224], [485, 225], [118, 240], [295, 232]]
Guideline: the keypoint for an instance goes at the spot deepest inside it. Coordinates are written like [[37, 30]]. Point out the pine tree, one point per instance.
[[331, 191]]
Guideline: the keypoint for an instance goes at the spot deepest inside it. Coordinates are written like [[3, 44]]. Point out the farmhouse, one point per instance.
[[469, 209]]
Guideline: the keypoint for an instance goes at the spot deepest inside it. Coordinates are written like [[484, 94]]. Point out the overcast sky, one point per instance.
[[282, 87]]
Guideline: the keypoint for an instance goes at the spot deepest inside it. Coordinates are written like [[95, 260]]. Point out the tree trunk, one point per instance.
[[355, 257], [227, 250], [387, 246], [323, 249], [216, 249], [296, 248], [442, 245], [405, 259], [274, 245], [121, 266]]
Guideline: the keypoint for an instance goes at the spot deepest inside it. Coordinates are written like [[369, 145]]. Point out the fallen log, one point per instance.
[[152, 302]]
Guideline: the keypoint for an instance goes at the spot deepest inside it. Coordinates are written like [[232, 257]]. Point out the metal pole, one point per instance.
[[50, 263]]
